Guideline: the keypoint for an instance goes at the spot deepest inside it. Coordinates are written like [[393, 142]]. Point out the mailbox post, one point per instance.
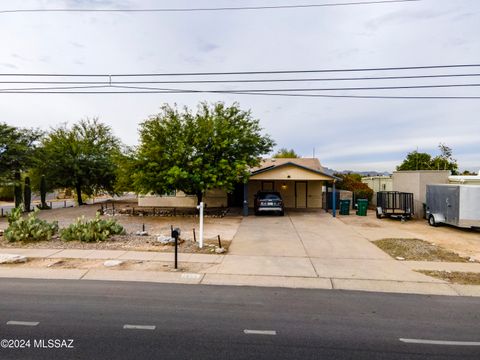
[[200, 242], [175, 234]]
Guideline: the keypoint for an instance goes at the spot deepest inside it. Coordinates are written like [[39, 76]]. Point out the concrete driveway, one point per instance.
[[316, 235], [310, 245]]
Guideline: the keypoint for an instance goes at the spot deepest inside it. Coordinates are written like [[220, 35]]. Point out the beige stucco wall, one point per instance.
[[212, 198], [379, 183], [416, 182], [314, 192]]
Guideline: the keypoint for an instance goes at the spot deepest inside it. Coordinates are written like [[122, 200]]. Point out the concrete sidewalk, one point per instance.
[[306, 250], [273, 271]]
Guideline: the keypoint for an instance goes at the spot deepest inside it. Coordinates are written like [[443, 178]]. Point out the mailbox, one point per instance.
[[176, 233]]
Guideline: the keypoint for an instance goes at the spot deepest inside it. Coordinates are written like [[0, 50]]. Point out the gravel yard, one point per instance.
[[464, 242], [226, 227], [418, 250]]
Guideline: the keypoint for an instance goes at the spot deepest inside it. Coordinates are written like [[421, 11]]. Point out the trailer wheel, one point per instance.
[[431, 221]]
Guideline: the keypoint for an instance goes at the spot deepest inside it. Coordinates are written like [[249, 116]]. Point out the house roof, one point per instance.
[[310, 164]]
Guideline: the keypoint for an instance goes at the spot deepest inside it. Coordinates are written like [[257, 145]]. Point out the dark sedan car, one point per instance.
[[268, 201]]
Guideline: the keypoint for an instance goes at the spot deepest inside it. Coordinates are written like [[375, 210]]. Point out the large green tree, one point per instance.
[[424, 161], [17, 148], [286, 153], [80, 157], [416, 161], [213, 147]]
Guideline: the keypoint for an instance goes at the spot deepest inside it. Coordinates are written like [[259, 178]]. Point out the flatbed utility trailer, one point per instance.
[[394, 204], [457, 205]]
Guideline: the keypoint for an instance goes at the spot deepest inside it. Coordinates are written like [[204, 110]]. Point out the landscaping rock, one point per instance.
[[471, 259], [141, 233], [165, 239], [220, 250], [112, 263], [400, 258], [12, 259]]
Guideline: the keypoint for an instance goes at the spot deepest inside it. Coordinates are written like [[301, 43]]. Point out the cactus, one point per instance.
[[28, 228], [93, 230], [18, 189], [27, 195], [43, 193]]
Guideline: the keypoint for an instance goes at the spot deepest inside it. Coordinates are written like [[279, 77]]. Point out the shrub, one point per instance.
[[353, 183], [364, 193], [28, 229], [6, 193], [91, 230]]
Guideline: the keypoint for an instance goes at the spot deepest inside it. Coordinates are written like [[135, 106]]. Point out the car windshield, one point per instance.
[[269, 196]]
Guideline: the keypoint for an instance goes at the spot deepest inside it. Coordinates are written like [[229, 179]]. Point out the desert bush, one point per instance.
[[29, 228], [93, 230], [364, 193], [353, 183]]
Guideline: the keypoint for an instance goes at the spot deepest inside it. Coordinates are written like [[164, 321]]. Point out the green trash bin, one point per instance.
[[344, 207], [362, 205]]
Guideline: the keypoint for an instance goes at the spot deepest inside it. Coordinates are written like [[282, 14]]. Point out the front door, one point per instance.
[[301, 194]]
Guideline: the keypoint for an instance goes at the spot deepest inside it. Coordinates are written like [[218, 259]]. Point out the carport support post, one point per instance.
[[334, 200], [245, 199]]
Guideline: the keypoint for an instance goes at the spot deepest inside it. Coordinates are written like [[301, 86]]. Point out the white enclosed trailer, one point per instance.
[[457, 205]]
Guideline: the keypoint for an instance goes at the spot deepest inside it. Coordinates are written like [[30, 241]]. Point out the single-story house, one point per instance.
[[300, 182]]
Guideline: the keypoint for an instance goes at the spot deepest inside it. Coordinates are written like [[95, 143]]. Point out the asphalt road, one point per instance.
[[210, 322]]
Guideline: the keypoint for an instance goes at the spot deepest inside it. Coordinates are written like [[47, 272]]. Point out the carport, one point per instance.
[[299, 181]]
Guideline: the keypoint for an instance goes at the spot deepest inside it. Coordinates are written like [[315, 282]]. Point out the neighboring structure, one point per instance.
[[416, 182], [379, 183], [465, 179], [298, 180]]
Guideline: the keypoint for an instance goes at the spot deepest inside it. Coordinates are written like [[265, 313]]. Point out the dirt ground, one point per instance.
[[418, 250], [456, 277], [226, 227], [465, 242], [99, 264]]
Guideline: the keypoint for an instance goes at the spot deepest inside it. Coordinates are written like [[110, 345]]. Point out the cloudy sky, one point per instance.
[[356, 134]]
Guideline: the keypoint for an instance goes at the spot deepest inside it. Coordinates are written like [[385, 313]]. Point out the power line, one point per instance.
[[235, 92], [255, 93], [359, 88], [425, 67], [239, 8], [246, 80], [366, 96]]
